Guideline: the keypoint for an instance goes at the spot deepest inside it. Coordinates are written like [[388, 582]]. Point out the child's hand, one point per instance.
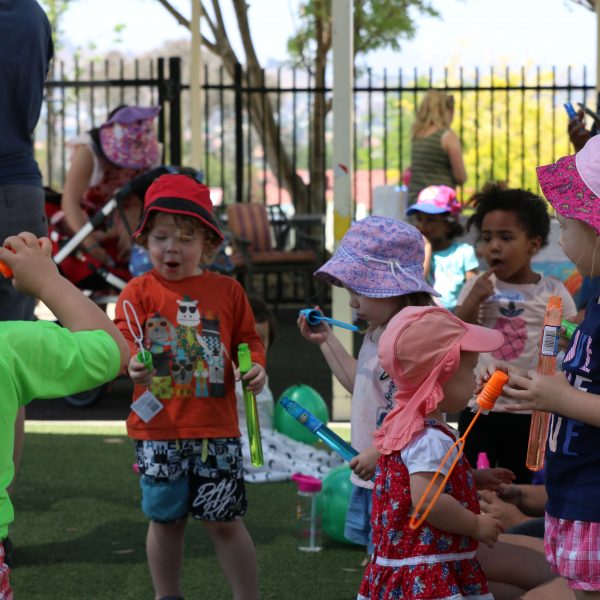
[[138, 372], [255, 378], [486, 371], [29, 258], [534, 391], [317, 334], [507, 514], [483, 288], [511, 493], [492, 479], [487, 530], [364, 464]]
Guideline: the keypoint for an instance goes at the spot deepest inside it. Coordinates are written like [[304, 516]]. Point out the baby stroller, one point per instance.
[[101, 282]]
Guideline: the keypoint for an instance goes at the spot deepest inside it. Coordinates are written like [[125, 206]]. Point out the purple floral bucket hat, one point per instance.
[[572, 184], [379, 257], [128, 138]]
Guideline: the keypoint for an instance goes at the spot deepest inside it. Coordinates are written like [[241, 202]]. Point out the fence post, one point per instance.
[[162, 93], [239, 134], [175, 109]]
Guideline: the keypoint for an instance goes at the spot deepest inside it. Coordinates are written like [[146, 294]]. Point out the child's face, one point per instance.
[[175, 249], [506, 246], [581, 244], [458, 390], [375, 311], [433, 227]]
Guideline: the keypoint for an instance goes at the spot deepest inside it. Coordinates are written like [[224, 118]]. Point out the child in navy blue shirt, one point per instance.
[[572, 522]]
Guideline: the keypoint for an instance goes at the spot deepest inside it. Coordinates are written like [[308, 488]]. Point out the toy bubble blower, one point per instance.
[[332, 439], [568, 328], [143, 355], [256, 452], [484, 403], [538, 430], [315, 317]]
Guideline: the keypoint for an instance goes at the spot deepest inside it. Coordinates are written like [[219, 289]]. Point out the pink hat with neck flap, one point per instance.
[[420, 350]]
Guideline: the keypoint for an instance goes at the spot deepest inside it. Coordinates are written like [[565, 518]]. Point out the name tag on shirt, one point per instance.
[[147, 406]]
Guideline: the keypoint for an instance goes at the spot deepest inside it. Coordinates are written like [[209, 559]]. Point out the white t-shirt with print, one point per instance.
[[518, 312]]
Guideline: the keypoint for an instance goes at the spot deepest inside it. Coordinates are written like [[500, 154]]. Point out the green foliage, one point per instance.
[[377, 24]]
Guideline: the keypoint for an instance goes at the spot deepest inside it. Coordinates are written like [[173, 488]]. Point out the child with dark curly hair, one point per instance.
[[513, 225]]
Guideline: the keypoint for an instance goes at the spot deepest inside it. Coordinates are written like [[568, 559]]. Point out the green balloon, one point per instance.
[[309, 399], [334, 501]]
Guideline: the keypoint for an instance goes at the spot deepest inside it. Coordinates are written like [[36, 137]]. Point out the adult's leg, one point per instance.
[[164, 549], [237, 556]]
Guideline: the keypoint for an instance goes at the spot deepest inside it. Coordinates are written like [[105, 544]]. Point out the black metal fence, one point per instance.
[[509, 121]]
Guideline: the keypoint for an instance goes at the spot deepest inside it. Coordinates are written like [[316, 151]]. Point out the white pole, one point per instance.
[[343, 79], [597, 7], [195, 89]]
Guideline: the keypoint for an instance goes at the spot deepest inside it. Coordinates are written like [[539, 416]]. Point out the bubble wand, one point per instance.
[[256, 452], [538, 430], [485, 402], [316, 426], [144, 356], [315, 317]]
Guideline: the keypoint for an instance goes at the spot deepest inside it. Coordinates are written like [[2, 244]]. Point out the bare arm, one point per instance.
[[35, 273], [451, 145], [468, 310], [449, 515], [342, 365], [552, 393], [76, 183]]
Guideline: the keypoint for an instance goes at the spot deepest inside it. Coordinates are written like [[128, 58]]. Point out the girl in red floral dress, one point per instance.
[[431, 355]]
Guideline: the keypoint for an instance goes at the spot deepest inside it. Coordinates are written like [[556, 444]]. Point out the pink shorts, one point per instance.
[[572, 549], [5, 591]]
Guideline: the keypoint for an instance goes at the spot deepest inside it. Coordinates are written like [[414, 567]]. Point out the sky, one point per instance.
[[470, 32]]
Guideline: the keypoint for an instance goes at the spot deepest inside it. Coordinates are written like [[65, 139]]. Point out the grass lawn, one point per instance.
[[79, 532]]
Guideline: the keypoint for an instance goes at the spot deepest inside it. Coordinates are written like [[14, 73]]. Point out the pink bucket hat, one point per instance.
[[436, 200], [128, 138], [379, 257], [430, 339], [179, 195], [572, 184]]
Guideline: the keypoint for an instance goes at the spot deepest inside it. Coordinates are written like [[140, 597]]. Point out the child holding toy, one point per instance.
[[572, 521], [430, 354], [380, 262], [44, 360], [511, 297], [448, 263], [183, 418]]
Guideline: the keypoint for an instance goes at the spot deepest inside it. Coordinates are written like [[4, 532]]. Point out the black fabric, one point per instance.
[[503, 436]]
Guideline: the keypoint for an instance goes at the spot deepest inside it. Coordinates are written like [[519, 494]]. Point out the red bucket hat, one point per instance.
[[572, 184], [179, 195], [128, 138]]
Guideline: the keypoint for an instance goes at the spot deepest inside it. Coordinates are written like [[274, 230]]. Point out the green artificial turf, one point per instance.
[[79, 532]]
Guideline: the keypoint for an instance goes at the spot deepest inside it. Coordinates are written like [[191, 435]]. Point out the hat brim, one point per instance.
[[371, 280], [567, 192], [179, 206], [481, 339], [430, 209], [130, 114]]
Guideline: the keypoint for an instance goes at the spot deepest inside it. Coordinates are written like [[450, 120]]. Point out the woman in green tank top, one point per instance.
[[436, 155]]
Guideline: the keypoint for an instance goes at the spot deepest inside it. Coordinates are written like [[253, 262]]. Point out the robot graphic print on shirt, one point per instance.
[[189, 357]]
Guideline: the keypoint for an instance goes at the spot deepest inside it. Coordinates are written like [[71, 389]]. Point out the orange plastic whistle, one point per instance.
[[5, 270], [491, 390]]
